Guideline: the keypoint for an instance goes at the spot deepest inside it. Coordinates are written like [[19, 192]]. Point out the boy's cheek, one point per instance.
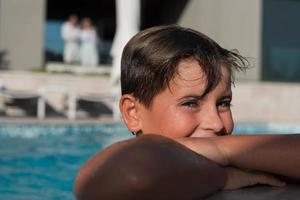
[[179, 126], [170, 122]]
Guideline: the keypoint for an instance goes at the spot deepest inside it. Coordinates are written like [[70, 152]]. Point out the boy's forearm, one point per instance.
[[279, 154], [148, 167]]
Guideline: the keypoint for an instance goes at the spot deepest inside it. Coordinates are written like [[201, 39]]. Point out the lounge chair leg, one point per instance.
[[41, 108], [116, 111], [72, 104]]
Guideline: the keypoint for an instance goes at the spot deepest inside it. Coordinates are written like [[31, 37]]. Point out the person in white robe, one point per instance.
[[70, 33], [88, 49]]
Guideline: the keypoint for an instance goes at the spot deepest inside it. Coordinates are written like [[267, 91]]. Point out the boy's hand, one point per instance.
[[207, 148], [238, 178]]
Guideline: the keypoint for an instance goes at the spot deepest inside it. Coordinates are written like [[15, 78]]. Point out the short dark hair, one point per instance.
[[150, 59]]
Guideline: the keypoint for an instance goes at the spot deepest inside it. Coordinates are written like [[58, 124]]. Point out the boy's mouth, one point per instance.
[[199, 133]]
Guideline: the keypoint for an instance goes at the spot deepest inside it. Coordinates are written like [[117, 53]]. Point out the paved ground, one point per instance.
[[55, 120]]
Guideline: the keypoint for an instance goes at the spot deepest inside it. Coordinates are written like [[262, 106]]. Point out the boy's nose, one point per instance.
[[210, 121]]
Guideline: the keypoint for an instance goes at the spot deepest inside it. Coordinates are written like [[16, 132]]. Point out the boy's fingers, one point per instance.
[[266, 179], [237, 178]]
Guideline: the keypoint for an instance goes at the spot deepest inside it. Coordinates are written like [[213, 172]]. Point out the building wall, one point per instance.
[[234, 24], [21, 32]]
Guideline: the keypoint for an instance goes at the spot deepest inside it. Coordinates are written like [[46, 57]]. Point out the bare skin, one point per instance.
[[156, 167], [173, 163], [148, 167], [180, 110], [276, 154]]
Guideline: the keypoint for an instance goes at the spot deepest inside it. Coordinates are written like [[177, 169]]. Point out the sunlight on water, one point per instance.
[[44, 159]]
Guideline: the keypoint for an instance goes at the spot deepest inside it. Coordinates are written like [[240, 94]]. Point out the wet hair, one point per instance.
[[150, 60]]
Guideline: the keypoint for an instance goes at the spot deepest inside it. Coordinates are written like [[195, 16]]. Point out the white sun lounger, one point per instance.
[[23, 95], [71, 96], [65, 91], [102, 98]]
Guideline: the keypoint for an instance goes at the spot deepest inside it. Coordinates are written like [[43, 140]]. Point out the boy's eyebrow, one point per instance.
[[226, 94], [194, 96]]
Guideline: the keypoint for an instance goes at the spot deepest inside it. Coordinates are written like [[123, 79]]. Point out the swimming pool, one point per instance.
[[41, 161]]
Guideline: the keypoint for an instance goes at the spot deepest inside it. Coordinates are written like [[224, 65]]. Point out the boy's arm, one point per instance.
[[148, 167], [278, 154]]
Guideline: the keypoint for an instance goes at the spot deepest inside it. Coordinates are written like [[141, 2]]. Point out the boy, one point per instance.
[[176, 95]]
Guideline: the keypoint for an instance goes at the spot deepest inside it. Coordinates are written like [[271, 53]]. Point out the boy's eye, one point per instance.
[[190, 104], [224, 105]]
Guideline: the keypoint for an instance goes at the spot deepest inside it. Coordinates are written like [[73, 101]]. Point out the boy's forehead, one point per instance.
[[190, 74]]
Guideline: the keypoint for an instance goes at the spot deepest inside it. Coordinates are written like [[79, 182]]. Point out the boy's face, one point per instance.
[[179, 111]]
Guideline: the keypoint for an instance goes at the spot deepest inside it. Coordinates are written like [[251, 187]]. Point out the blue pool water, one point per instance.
[[41, 161]]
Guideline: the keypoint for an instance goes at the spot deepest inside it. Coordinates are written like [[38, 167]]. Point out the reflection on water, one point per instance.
[[44, 159], [37, 160]]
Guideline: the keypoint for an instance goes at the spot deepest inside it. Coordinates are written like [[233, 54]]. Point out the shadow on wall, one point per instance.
[[94, 109], [28, 107], [3, 61]]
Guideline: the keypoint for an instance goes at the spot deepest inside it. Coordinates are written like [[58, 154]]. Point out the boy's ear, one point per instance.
[[129, 107]]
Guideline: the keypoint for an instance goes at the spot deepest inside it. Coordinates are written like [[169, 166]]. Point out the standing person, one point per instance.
[[176, 97], [70, 34], [88, 49]]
